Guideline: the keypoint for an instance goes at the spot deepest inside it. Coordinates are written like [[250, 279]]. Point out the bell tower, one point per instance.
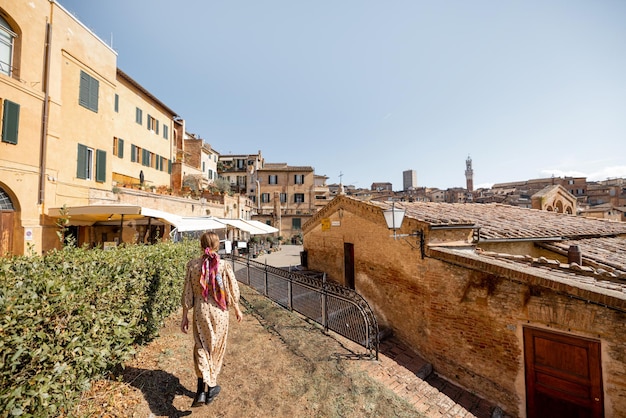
[[469, 175]]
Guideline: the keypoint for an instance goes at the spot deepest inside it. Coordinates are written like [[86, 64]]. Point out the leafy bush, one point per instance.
[[74, 314]]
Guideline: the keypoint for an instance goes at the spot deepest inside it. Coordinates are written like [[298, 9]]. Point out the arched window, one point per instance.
[[5, 201], [7, 39]]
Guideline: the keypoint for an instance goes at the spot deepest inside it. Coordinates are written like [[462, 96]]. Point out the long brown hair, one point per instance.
[[210, 240]]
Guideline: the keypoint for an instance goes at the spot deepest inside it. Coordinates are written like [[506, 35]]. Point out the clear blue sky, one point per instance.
[[369, 89]]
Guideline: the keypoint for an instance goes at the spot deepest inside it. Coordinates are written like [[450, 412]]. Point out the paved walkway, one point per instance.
[[402, 370]]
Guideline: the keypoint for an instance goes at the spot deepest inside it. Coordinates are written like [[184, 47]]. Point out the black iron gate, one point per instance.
[[334, 307]]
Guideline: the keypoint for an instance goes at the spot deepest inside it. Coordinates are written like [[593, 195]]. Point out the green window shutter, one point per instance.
[[10, 122], [133, 153], [101, 166], [120, 148], [81, 162], [148, 121], [169, 166], [94, 87], [83, 91], [145, 156], [157, 127], [117, 103], [138, 116], [165, 131], [88, 92]]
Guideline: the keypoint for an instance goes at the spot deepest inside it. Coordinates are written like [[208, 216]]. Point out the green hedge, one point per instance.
[[74, 314]]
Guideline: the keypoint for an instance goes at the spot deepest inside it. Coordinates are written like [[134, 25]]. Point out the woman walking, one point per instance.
[[210, 289]]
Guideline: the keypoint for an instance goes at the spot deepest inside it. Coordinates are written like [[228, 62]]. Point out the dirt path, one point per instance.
[[277, 365]]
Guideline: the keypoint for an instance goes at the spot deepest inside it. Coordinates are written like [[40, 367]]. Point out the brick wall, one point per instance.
[[464, 317]]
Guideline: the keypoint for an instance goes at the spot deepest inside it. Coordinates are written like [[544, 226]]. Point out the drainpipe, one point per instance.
[[44, 120]]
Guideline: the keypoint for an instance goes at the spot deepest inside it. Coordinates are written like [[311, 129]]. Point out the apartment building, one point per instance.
[[286, 197], [79, 133], [143, 128], [240, 171]]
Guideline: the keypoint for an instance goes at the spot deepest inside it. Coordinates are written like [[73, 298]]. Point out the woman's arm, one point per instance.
[[232, 289], [187, 299]]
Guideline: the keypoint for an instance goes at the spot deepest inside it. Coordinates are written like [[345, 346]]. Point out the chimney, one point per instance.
[[574, 255]]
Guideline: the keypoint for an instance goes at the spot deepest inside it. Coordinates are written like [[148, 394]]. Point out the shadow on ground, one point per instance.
[[159, 389]]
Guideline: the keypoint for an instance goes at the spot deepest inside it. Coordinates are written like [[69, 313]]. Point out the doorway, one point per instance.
[[348, 264], [563, 375]]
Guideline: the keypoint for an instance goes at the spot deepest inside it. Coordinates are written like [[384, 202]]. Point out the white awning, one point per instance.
[[265, 227], [242, 225], [110, 214], [200, 223], [170, 218]]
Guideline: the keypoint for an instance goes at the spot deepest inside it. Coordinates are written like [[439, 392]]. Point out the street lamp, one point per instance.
[[394, 218]]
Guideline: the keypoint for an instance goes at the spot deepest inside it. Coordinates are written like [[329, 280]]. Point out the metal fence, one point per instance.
[[334, 307]]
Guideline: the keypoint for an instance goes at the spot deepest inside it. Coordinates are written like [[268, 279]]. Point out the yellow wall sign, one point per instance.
[[325, 224]]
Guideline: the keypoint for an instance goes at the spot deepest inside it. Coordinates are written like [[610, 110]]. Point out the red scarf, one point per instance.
[[210, 275]]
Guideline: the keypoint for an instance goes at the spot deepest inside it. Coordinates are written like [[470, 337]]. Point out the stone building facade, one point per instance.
[[498, 299], [286, 197]]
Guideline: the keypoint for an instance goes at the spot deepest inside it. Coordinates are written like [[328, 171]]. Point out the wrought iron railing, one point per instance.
[[334, 307]]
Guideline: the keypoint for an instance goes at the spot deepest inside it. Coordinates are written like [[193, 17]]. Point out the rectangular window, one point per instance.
[[296, 223], [136, 154], [84, 163], [101, 166], [118, 147], [298, 178], [117, 103], [88, 92], [152, 124], [203, 166], [298, 197], [265, 197], [165, 132], [10, 122], [241, 164], [273, 179], [283, 198], [139, 116], [146, 158], [210, 174]]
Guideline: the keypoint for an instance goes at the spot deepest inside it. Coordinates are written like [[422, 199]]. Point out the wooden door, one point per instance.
[[6, 232], [563, 376], [348, 263]]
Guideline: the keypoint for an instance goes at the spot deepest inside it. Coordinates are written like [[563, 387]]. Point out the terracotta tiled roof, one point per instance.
[[601, 279], [497, 221], [284, 167], [580, 282], [603, 252]]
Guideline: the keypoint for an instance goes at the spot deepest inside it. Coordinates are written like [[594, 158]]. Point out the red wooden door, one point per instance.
[[563, 376]]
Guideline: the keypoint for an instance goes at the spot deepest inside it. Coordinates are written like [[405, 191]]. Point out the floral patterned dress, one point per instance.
[[210, 323]]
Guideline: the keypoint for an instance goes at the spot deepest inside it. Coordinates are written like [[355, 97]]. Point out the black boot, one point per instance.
[[201, 395], [212, 393]]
